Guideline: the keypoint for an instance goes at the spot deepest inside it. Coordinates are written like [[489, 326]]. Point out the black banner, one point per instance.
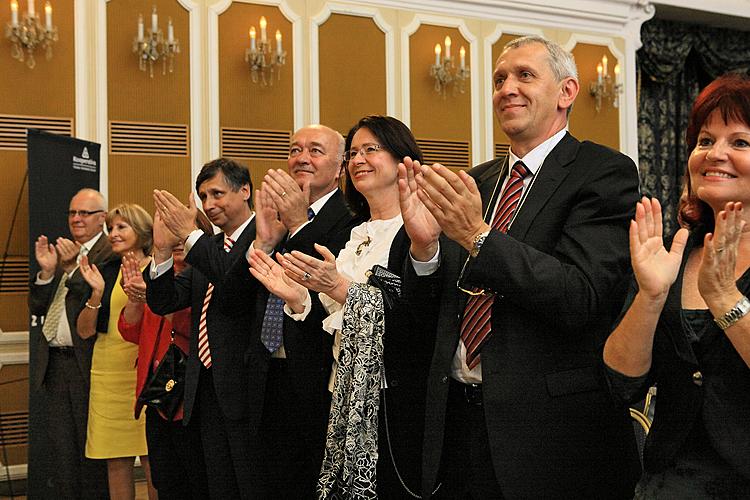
[[59, 167]]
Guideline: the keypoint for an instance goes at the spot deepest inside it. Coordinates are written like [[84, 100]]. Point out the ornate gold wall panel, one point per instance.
[[132, 95], [433, 115], [352, 82]]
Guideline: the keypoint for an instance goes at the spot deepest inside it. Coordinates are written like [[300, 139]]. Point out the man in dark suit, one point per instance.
[[289, 361], [216, 377], [517, 403], [62, 369]]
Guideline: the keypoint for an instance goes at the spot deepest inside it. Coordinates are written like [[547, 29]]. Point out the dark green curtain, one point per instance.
[[674, 63]]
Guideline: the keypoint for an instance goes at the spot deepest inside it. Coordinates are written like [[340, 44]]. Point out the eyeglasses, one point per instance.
[[83, 213], [366, 150]]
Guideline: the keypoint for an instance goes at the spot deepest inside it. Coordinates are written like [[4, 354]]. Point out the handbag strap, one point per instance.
[[156, 344]]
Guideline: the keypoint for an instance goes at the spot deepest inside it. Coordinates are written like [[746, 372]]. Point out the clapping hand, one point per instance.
[[272, 276], [178, 218], [315, 274], [164, 240], [290, 200], [132, 279], [716, 275], [420, 225], [655, 268], [46, 257], [269, 230], [92, 276], [68, 251]]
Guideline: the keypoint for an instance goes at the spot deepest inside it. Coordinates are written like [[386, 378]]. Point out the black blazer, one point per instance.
[[40, 298], [554, 429], [227, 334], [306, 345]]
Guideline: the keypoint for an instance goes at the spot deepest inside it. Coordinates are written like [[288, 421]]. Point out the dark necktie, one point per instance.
[[204, 352], [476, 326], [272, 329]]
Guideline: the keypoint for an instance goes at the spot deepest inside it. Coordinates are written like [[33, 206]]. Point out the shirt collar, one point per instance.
[[534, 158], [318, 205], [90, 244], [238, 232]]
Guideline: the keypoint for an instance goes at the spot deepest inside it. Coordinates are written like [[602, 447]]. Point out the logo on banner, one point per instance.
[[84, 162]]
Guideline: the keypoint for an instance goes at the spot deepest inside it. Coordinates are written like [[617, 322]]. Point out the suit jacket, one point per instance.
[[228, 335], [40, 298], [554, 430], [306, 345]]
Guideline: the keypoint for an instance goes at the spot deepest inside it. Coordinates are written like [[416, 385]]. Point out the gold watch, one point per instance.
[[477, 244]]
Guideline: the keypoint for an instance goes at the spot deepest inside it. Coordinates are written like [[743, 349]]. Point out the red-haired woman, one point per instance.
[[686, 326]]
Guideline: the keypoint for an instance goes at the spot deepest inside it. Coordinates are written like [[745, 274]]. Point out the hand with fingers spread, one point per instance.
[[269, 230], [454, 201], [315, 274], [164, 240], [716, 275], [132, 279], [176, 216], [291, 201], [421, 226], [655, 268], [271, 275], [93, 277], [46, 257], [68, 250]]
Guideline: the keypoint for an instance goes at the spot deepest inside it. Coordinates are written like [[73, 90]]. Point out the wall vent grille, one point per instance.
[[153, 139], [14, 275], [13, 129], [255, 144], [453, 154]]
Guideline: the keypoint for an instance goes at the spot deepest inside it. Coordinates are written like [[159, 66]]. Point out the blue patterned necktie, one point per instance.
[[272, 330]]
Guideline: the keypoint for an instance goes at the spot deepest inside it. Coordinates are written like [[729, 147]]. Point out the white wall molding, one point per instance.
[[100, 93], [448, 22], [390, 66], [196, 88], [81, 23]]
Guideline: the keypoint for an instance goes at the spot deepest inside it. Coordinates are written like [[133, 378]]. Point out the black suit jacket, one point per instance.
[[227, 334], [306, 345], [40, 298], [554, 430]]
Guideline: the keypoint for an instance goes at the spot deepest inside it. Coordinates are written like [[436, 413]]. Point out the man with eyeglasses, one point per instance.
[[290, 361], [531, 266], [62, 360]]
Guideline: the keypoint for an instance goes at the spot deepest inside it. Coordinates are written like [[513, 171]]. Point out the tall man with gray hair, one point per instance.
[[534, 248]]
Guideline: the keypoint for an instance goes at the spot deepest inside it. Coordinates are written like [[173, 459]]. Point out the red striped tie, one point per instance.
[[204, 352], [476, 325]]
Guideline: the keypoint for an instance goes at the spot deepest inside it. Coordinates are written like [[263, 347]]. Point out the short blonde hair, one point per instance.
[[138, 219]]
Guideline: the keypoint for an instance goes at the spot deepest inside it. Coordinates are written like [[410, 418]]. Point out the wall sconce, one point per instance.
[[444, 72], [152, 47], [256, 56], [29, 33], [604, 88]]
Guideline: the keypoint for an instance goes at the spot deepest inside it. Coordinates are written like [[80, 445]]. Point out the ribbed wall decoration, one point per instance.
[[154, 139], [501, 149], [255, 144], [453, 154], [14, 428], [14, 275], [13, 129]]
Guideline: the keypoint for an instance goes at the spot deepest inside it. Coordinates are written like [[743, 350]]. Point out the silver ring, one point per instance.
[[306, 276], [283, 193]]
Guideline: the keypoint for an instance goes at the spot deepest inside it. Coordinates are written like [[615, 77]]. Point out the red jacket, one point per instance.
[[144, 334]]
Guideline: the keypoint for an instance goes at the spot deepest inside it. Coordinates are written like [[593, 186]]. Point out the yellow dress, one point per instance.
[[112, 430]]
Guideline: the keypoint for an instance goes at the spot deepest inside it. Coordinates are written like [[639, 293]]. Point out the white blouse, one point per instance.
[[369, 244]]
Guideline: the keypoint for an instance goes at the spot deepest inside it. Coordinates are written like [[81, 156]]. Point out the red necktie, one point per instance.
[[476, 325], [204, 353]]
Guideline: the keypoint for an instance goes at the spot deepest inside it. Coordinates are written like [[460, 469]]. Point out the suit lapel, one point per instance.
[[490, 183], [548, 179]]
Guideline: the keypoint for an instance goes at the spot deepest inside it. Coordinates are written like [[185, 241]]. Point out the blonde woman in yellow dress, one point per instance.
[[113, 434]]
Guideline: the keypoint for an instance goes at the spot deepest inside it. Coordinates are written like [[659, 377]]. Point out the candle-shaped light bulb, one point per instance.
[[32, 11], [278, 41], [140, 27], [252, 37], [438, 50], [48, 16], [604, 65], [462, 54], [170, 31], [599, 73], [263, 24], [14, 12], [617, 73], [447, 47], [154, 21]]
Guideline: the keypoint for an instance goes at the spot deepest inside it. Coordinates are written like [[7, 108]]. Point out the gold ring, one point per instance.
[[283, 193], [719, 250]]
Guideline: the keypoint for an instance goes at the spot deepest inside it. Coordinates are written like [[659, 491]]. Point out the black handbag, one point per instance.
[[165, 387], [389, 283]]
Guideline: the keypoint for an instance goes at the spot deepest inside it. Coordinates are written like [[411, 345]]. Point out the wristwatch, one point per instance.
[[740, 309], [478, 242]]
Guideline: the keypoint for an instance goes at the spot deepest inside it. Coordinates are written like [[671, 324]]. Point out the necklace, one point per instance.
[[365, 243]]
